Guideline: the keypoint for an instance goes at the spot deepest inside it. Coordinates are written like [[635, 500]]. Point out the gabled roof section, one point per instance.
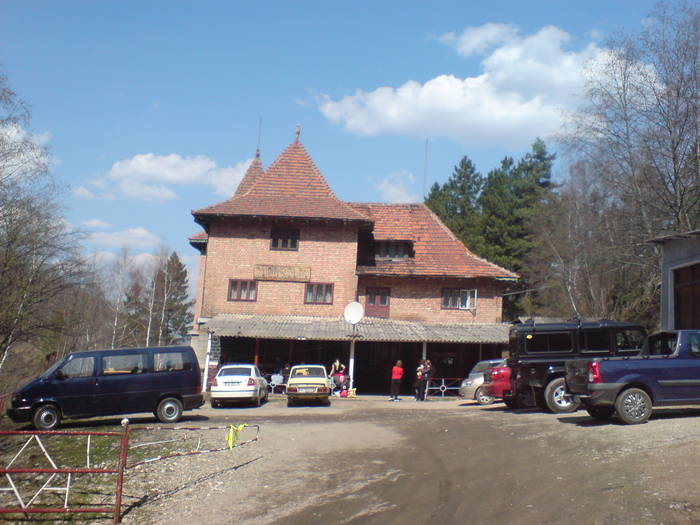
[[292, 187], [437, 251]]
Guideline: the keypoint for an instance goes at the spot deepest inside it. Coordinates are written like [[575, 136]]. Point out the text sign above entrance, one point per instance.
[[271, 272]]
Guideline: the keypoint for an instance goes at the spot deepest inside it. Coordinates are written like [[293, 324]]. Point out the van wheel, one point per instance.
[[558, 401], [46, 417], [482, 398], [633, 406], [169, 410]]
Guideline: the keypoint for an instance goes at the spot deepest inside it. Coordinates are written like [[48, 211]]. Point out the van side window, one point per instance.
[[79, 367], [170, 361], [123, 364], [628, 341]]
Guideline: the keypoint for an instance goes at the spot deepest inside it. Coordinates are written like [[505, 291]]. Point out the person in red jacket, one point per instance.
[[396, 375]]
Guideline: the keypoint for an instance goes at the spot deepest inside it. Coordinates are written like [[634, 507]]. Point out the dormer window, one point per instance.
[[284, 239], [393, 249]]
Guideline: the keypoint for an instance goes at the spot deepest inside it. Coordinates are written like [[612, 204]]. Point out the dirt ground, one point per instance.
[[367, 460]]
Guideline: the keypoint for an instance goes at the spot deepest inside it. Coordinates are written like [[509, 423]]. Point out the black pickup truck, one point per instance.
[[665, 373], [539, 351]]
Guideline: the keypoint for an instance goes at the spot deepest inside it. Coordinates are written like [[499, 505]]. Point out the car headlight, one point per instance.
[[467, 382]]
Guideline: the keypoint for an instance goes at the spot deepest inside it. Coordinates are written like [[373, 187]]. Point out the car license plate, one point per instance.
[[307, 389], [232, 383]]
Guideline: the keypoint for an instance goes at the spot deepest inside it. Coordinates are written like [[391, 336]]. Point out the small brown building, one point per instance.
[[281, 259]]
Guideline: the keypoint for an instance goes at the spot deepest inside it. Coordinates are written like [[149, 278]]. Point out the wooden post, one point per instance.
[[425, 350], [481, 351], [205, 374], [256, 359]]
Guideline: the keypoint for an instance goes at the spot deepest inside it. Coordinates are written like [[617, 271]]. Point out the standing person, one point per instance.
[[418, 380], [396, 375], [337, 373], [427, 374]]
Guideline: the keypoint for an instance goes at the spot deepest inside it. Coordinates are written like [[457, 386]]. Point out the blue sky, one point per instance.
[[151, 109]]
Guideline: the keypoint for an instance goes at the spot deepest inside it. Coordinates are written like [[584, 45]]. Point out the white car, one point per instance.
[[239, 382]]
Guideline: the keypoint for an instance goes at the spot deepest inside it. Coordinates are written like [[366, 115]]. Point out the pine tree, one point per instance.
[[457, 203], [176, 306]]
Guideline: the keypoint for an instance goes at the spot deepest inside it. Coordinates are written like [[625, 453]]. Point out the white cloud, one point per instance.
[[132, 238], [393, 188], [524, 86], [149, 177], [96, 223], [476, 40], [83, 193]]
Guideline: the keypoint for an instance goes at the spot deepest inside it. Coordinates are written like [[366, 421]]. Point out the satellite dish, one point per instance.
[[354, 312]]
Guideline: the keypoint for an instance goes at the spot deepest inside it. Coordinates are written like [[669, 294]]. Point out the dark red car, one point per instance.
[[497, 381]]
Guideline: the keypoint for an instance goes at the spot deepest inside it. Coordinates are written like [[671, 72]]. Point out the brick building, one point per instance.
[[281, 259]]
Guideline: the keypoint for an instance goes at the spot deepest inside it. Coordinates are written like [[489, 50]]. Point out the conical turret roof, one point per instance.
[[291, 187]]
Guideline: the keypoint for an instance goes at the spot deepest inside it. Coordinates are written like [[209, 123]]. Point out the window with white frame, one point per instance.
[[458, 299]]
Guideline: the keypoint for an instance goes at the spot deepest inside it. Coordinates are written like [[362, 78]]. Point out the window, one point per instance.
[[629, 341], [319, 293], [284, 239], [393, 249], [377, 302], [456, 299], [123, 364], [378, 296], [79, 367], [595, 341], [548, 342], [242, 291], [171, 361]]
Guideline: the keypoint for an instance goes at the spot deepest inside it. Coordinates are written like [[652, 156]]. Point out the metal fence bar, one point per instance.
[[444, 384]]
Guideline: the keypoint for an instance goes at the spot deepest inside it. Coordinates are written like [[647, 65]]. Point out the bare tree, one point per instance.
[[640, 126]]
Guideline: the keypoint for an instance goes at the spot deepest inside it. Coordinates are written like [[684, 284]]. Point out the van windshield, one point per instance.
[[49, 372]]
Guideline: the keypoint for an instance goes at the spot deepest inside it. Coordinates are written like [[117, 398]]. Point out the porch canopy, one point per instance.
[[369, 329]]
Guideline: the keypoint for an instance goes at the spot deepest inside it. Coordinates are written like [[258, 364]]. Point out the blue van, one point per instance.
[[164, 380]]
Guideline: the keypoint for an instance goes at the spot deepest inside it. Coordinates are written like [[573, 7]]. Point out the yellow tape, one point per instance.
[[233, 432]]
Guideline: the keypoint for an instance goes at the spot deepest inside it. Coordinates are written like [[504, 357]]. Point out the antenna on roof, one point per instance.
[[425, 165], [297, 132], [257, 149]]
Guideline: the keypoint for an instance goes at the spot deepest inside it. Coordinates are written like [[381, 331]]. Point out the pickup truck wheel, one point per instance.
[[600, 412], [558, 401], [633, 406], [482, 397]]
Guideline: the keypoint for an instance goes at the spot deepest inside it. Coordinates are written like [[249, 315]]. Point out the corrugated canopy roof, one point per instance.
[[369, 329]]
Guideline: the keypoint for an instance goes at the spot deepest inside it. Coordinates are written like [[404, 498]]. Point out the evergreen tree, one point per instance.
[[457, 203], [177, 315]]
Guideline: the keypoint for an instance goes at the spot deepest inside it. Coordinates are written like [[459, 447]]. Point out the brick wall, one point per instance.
[[329, 250], [420, 299]]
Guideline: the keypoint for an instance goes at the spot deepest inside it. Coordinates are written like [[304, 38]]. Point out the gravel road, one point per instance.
[[369, 461]]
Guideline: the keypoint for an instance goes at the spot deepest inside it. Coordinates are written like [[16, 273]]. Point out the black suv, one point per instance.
[[539, 351]]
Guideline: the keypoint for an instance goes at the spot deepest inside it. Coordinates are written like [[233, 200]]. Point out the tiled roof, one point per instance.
[[369, 329], [198, 237], [291, 187], [437, 251], [254, 171]]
